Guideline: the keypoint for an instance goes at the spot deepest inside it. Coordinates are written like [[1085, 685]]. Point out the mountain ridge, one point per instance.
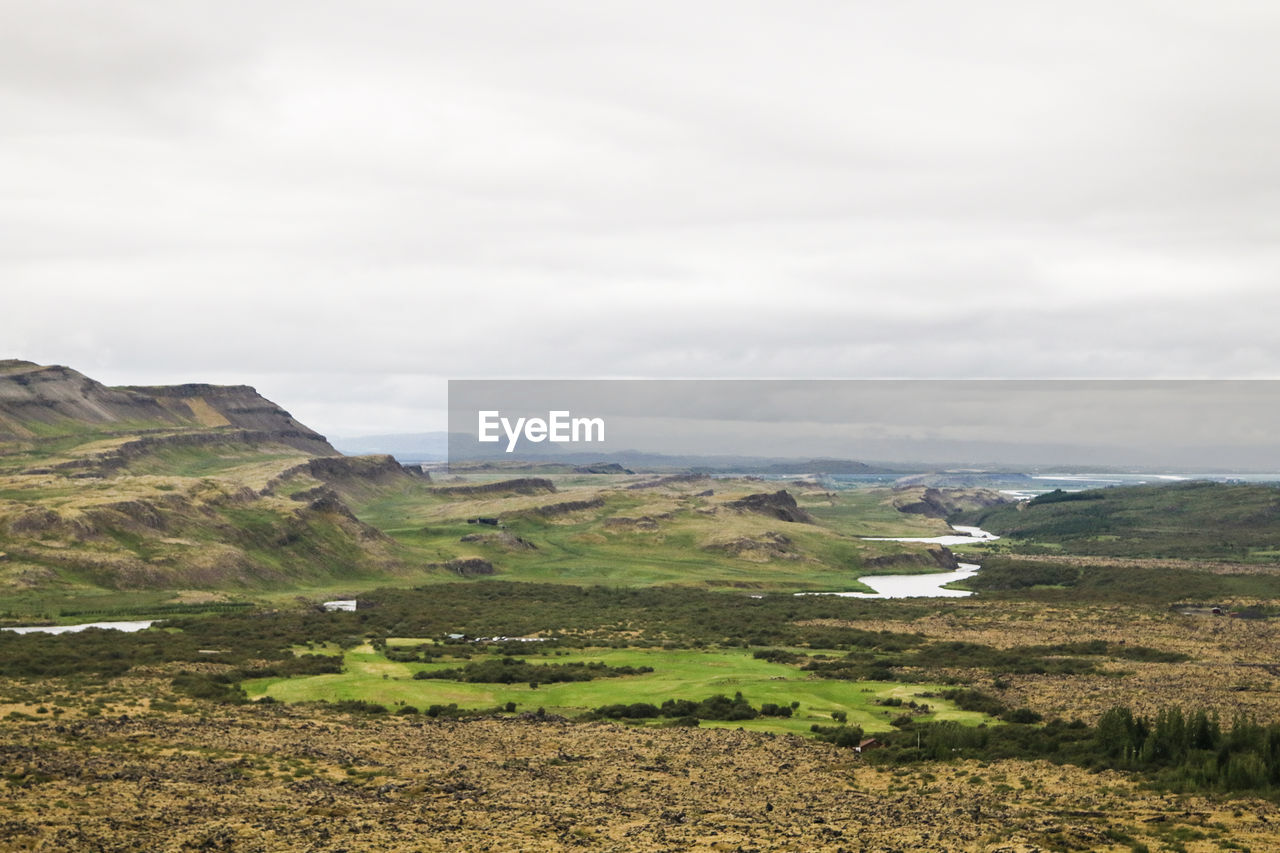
[[180, 486], [40, 402]]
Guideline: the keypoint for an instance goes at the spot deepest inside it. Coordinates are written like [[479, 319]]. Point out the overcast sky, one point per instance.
[[345, 204]]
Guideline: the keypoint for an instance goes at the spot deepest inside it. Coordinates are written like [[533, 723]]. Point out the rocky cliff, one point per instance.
[[39, 403], [180, 486]]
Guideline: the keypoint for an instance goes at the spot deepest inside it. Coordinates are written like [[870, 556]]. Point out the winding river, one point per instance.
[[926, 585]]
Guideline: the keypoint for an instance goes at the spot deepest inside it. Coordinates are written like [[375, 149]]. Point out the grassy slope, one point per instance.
[[1193, 520], [179, 518], [692, 543]]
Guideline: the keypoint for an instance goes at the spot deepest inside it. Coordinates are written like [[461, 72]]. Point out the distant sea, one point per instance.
[[1079, 482]]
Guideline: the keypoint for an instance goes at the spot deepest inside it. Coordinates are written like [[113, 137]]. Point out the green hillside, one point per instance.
[[168, 488], [111, 495], [1189, 520]]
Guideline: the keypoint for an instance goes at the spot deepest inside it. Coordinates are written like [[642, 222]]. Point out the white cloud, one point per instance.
[[300, 193]]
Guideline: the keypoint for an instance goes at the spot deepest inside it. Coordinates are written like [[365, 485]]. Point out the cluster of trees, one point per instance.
[[1059, 496], [1193, 751], [592, 616], [841, 735], [235, 638], [1181, 751], [422, 653], [1190, 520], [450, 711], [576, 617], [514, 671], [1009, 576], [689, 712]]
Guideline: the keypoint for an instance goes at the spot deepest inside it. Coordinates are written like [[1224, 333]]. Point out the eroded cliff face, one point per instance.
[[40, 402], [349, 476]]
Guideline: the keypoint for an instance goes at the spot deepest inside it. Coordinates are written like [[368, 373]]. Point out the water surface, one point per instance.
[[71, 629]]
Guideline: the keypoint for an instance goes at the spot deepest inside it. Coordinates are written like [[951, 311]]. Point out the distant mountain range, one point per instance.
[[410, 448]]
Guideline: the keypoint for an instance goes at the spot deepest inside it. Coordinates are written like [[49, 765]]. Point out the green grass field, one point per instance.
[[678, 674]]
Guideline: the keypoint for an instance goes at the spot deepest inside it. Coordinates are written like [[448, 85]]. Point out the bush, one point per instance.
[[513, 671], [1025, 716], [843, 736]]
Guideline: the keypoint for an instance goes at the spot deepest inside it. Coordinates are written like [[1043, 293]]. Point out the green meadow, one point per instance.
[[678, 674]]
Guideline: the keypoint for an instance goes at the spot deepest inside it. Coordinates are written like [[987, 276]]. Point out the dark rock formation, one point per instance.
[[934, 556], [672, 480], [551, 510], [347, 472], [780, 505], [644, 522], [770, 545], [505, 540], [943, 503], [468, 567], [521, 486], [602, 468]]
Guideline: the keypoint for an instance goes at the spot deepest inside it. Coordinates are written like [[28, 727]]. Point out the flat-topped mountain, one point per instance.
[[183, 486], [51, 401]]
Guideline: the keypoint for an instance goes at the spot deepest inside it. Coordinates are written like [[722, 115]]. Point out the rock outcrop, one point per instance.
[[566, 507], [943, 503], [770, 545], [602, 468], [934, 556], [505, 540], [780, 505], [467, 567], [521, 486], [671, 480]]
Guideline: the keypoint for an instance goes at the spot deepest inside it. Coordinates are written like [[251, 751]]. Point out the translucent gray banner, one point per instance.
[[1184, 425]]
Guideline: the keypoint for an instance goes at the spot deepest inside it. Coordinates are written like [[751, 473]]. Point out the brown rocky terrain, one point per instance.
[[274, 778], [1232, 666]]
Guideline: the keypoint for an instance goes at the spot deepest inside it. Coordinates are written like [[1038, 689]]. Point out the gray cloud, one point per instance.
[[345, 204]]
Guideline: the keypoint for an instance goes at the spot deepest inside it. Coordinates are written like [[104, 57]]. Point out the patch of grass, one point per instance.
[[676, 674]]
